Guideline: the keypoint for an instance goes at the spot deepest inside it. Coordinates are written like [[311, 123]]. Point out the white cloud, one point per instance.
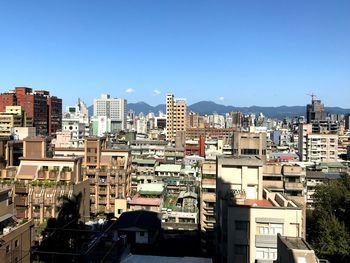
[[129, 90], [156, 92], [221, 98]]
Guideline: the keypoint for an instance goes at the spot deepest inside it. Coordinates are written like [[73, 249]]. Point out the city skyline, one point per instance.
[[141, 51]]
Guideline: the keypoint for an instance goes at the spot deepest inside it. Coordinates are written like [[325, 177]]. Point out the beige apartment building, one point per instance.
[[16, 236], [317, 147], [248, 217], [207, 207], [108, 171], [14, 116], [40, 181], [175, 116]]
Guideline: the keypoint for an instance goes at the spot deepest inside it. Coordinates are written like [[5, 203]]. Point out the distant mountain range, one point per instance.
[[208, 107]]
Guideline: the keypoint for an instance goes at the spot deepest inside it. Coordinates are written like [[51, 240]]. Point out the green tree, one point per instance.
[[328, 225], [332, 241]]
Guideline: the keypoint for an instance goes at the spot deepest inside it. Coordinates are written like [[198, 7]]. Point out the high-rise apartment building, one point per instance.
[[114, 109], [248, 217], [315, 111], [317, 147], [45, 110], [347, 121], [175, 116]]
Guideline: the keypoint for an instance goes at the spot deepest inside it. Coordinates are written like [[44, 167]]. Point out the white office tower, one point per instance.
[[114, 110]]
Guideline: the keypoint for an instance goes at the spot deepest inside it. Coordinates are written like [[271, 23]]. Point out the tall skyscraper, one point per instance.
[[315, 111], [45, 110], [114, 109], [175, 116]]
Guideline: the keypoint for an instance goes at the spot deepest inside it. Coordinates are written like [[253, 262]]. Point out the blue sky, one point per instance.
[[240, 53]]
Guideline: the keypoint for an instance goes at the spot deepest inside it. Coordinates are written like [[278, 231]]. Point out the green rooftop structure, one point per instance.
[[152, 189], [168, 169]]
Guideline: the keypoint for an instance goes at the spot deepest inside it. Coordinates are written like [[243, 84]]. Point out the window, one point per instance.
[[7, 248], [266, 253], [120, 211], [142, 234], [249, 151], [269, 229], [16, 243]]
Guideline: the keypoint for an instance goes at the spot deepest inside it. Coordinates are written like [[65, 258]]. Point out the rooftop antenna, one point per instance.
[[312, 95]]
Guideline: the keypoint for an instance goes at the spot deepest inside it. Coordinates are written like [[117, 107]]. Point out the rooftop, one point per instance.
[[152, 189], [259, 203], [240, 160], [137, 200], [145, 161], [170, 168], [295, 243]]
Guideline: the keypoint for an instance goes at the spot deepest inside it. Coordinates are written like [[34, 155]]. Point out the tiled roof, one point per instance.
[[145, 201], [255, 202]]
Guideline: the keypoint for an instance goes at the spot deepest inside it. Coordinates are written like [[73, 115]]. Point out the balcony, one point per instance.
[[21, 213], [293, 186], [53, 174], [266, 241], [38, 200], [21, 189], [209, 211], [273, 184], [21, 200], [209, 226], [103, 181], [11, 173], [48, 201], [36, 214], [65, 175], [102, 191], [42, 174], [102, 201]]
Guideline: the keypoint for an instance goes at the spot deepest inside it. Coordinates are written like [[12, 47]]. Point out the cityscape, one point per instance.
[[91, 172]]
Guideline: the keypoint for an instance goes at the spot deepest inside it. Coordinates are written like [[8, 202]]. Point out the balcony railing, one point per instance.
[[102, 200], [65, 175], [21, 189], [53, 174], [21, 200], [36, 214], [266, 241], [291, 186], [21, 213]]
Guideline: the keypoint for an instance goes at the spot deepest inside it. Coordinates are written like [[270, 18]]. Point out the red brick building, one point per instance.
[[45, 110]]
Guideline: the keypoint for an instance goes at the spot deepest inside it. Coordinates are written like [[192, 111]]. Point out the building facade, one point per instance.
[[175, 116], [114, 109], [45, 110]]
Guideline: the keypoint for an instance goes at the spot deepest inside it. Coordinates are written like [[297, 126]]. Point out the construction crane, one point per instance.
[[312, 95]]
